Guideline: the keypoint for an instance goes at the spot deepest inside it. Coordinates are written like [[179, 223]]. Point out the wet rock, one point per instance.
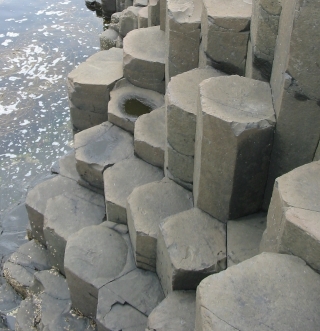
[[21, 266], [154, 12], [225, 32], [99, 148], [244, 237], [128, 20], [176, 312], [191, 245], [147, 207], [89, 86], [94, 257], [108, 39], [121, 94], [234, 135], [183, 25], [66, 214], [125, 303], [150, 60], [119, 182], [143, 18], [260, 293], [150, 136]]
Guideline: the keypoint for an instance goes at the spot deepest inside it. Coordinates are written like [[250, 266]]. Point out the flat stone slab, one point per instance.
[[36, 201], [293, 222], [191, 245], [89, 86], [119, 182], [126, 303], [147, 206], [144, 51], [150, 137], [19, 269], [66, 214], [176, 312], [122, 93], [94, 257], [260, 294], [99, 148], [67, 166], [244, 237]]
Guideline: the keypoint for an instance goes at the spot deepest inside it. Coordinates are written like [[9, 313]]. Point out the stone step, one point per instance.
[[143, 18], [147, 207], [225, 27], [260, 294], [95, 256], [89, 86], [234, 135], [183, 27], [293, 222], [144, 52], [176, 312], [98, 148], [150, 136], [126, 303], [119, 182], [191, 245], [67, 166], [19, 269], [128, 20], [181, 104], [244, 237], [66, 214], [128, 102]]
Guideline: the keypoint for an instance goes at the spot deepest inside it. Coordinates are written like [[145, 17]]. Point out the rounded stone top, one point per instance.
[[112, 54], [185, 11], [183, 89], [146, 44], [236, 99], [235, 9]]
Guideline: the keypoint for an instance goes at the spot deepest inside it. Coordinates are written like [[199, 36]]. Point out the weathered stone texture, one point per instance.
[[154, 13], [143, 18], [128, 20], [108, 39]]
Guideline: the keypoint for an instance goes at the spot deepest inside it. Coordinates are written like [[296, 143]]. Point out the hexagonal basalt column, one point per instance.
[[144, 52], [147, 206], [183, 25], [119, 182], [225, 32], [143, 18], [89, 86], [181, 104], [293, 222], [233, 143], [128, 20], [99, 148], [191, 245], [94, 257], [154, 13]]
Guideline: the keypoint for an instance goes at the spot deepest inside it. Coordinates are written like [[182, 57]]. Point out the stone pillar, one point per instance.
[[263, 34], [154, 13], [295, 85], [108, 7], [183, 23], [225, 32], [163, 13], [235, 125]]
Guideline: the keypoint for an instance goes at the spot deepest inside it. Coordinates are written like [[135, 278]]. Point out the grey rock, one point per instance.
[[108, 6], [260, 294], [125, 303], [244, 237], [140, 3], [143, 18], [28, 315], [124, 91], [225, 33], [144, 51], [191, 245], [119, 42], [67, 166], [147, 206], [183, 26], [95, 256], [294, 214], [317, 154], [233, 144], [99, 148], [67, 214], [89, 86], [163, 13], [128, 20], [108, 39], [176, 312], [119, 182], [150, 136], [154, 13]]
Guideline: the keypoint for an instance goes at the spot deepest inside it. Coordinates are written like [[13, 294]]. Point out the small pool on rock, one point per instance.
[[136, 108]]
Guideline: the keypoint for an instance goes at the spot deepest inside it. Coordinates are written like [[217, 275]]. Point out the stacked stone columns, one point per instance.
[[295, 85], [234, 132]]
